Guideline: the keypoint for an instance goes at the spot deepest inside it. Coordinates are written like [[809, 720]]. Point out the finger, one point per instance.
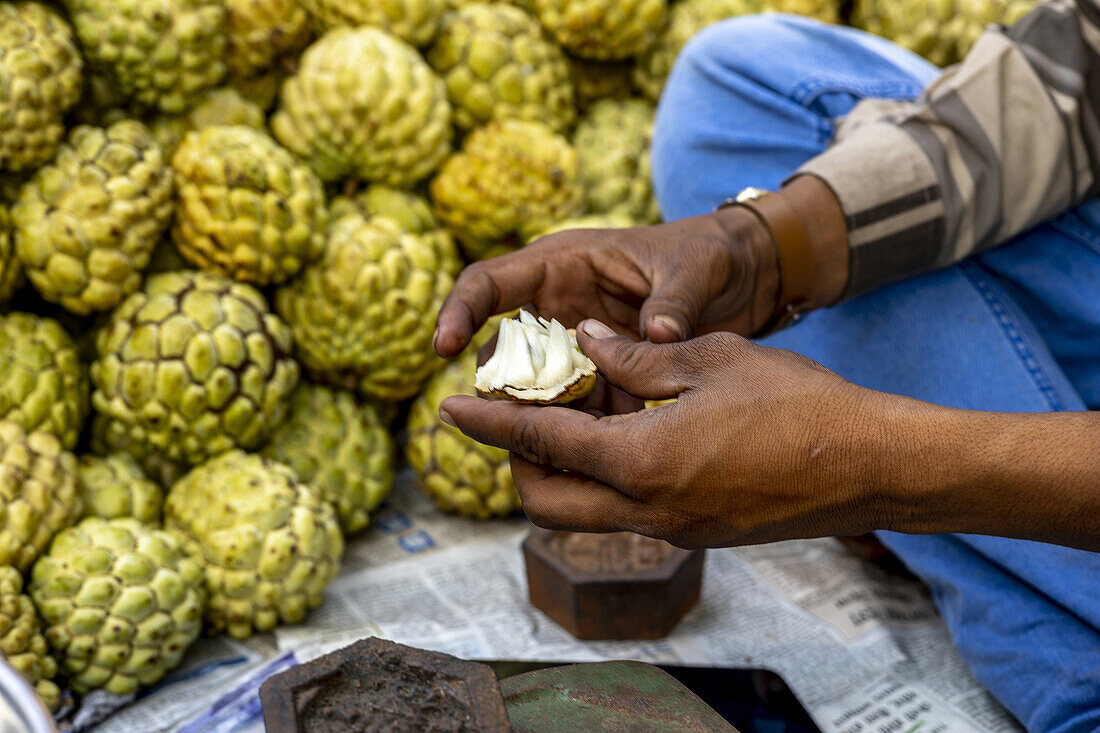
[[570, 501], [673, 307], [482, 290], [566, 439], [646, 370]]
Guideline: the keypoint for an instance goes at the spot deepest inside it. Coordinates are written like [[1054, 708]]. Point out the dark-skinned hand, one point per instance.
[[758, 447]]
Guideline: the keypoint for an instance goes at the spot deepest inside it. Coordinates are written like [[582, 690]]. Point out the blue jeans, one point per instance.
[[1016, 329]]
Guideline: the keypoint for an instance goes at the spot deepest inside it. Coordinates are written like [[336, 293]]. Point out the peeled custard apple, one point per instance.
[[263, 33], [603, 30], [461, 475], [21, 640], [339, 446], [121, 602], [269, 543], [536, 362], [364, 315], [511, 180], [41, 71], [221, 106], [115, 487], [686, 18], [498, 64], [940, 30], [43, 385], [86, 224], [38, 493], [189, 367], [612, 142], [413, 21], [594, 80], [11, 270], [159, 53], [365, 104], [247, 207]]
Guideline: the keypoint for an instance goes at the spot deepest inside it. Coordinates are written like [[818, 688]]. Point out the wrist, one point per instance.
[[827, 231], [750, 241]]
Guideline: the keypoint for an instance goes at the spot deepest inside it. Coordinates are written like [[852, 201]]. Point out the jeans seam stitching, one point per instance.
[[1072, 226], [808, 89], [1015, 338]]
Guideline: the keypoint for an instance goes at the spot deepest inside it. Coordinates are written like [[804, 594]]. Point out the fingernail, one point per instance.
[[435, 336], [446, 417], [667, 321], [596, 330]]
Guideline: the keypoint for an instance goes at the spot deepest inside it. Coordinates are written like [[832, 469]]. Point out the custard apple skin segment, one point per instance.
[[42, 71], [686, 18], [269, 543], [364, 315], [121, 602], [247, 208], [603, 30], [461, 475], [43, 384], [115, 487], [612, 143], [21, 640], [221, 106], [942, 31], [11, 269], [38, 493], [413, 21], [189, 367], [159, 53], [498, 64], [261, 34], [86, 224], [339, 446], [511, 180], [365, 104]]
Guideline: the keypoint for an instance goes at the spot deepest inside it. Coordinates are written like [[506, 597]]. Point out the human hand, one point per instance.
[[662, 282], [761, 445]]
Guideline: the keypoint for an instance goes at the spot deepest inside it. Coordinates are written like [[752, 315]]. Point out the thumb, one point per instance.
[[643, 369], [672, 309]]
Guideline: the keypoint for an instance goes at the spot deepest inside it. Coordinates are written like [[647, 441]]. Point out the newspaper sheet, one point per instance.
[[862, 650]]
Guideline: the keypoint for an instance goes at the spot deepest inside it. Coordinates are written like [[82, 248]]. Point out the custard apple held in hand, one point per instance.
[[41, 70], [247, 207], [43, 385], [159, 53], [612, 143], [589, 221], [511, 180], [86, 224], [461, 475], [340, 447], [115, 487], [603, 30], [365, 104], [121, 602], [38, 493], [413, 21], [497, 64], [364, 315], [21, 640], [269, 543], [686, 18], [189, 367]]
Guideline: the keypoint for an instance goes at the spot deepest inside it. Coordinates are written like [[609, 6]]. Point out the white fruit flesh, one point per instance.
[[536, 361]]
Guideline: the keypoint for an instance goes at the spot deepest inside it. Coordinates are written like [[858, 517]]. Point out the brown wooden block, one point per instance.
[[377, 685], [611, 586]]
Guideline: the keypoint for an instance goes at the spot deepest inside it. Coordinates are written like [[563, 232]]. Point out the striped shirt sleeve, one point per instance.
[[1001, 142]]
